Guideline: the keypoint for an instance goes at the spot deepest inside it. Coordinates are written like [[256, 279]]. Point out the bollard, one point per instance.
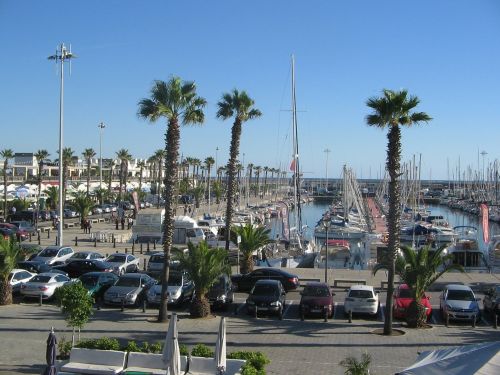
[[123, 305], [133, 246], [235, 309], [48, 233], [30, 236], [148, 247], [39, 238], [126, 250], [56, 241], [113, 237], [41, 299], [114, 242], [107, 255], [495, 320], [326, 315], [154, 245], [144, 305], [95, 241], [117, 251], [256, 312], [132, 249], [141, 247], [145, 264], [76, 240], [350, 316], [473, 321], [447, 320]]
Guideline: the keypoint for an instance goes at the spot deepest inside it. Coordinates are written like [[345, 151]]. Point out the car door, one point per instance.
[[130, 266], [187, 286], [253, 277]]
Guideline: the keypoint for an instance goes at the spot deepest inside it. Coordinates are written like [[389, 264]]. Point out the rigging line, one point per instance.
[[281, 145]]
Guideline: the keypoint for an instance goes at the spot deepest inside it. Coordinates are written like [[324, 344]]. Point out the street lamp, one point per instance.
[[101, 126], [61, 56], [326, 225]]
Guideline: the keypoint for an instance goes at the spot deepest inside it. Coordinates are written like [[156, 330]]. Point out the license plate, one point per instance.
[[263, 308], [315, 310], [117, 299]]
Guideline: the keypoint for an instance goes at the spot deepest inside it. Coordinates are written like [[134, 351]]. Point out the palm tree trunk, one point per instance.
[[5, 292], [88, 176], [394, 215], [200, 307], [172, 140], [5, 189], [231, 188]]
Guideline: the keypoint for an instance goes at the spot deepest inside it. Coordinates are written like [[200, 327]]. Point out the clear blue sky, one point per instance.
[[445, 52]]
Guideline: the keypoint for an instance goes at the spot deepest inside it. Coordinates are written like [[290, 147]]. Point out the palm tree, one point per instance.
[[419, 269], [160, 157], [266, 171], [52, 196], [250, 170], [204, 266], [393, 110], [88, 154], [176, 101], [252, 239], [6, 155], [239, 105], [124, 156], [40, 156], [9, 256], [257, 170], [68, 158], [141, 166], [217, 190], [209, 162], [82, 204]]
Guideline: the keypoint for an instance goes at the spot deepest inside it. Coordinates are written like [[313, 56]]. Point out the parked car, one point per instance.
[[266, 296], [38, 267], [491, 301], [87, 255], [361, 299], [221, 295], [247, 281], [21, 234], [54, 255], [17, 277], [25, 225], [129, 289], [180, 289], [403, 298], [97, 210], [7, 233], [77, 267], [155, 264], [97, 283], [69, 213], [316, 299], [123, 263], [106, 208], [459, 303], [30, 250], [44, 284]]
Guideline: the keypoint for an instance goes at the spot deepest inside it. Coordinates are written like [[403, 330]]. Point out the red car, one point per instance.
[[21, 234], [317, 299], [403, 298]]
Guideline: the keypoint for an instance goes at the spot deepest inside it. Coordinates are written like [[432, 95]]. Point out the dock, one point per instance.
[[378, 219]]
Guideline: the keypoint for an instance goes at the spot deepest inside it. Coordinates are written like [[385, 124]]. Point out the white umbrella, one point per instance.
[[220, 348], [171, 355]]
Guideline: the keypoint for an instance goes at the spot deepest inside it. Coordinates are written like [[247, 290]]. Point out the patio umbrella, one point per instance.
[[220, 348], [171, 355], [50, 355]]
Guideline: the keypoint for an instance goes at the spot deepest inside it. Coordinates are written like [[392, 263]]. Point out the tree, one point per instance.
[[239, 105], [217, 190], [124, 157], [40, 156], [6, 154], [419, 269], [160, 162], [393, 110], [204, 266], [257, 170], [198, 192], [252, 239], [9, 256], [82, 204], [68, 158], [88, 154], [141, 166], [353, 366], [52, 196], [76, 304], [177, 101]]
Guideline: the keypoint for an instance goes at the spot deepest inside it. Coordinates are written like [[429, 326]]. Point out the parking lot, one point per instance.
[[294, 346]]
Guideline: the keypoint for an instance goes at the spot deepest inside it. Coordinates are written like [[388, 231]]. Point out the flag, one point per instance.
[[292, 165], [485, 222]]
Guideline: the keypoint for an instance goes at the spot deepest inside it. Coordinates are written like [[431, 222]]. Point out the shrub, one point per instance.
[[64, 348], [183, 349], [103, 343], [201, 350], [156, 348], [256, 359], [132, 347]]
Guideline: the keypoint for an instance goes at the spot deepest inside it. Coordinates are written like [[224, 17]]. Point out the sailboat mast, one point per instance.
[[296, 171]]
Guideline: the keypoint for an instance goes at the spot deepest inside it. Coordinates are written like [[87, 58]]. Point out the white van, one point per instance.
[[187, 230]]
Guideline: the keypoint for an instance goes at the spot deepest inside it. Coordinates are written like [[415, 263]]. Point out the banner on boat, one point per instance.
[[292, 165], [283, 215], [485, 222]]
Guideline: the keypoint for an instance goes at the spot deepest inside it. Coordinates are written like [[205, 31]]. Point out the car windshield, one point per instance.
[[174, 279], [40, 279], [116, 259], [89, 281], [264, 290], [460, 295], [79, 256], [361, 294], [49, 253], [156, 259], [405, 293], [315, 291], [129, 281], [219, 284]]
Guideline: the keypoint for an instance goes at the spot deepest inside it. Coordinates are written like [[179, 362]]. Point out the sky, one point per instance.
[[445, 52]]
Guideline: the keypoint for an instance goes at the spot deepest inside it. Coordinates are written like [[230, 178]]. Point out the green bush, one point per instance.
[[256, 359], [132, 347], [183, 349], [156, 348], [103, 343], [201, 350], [64, 348]]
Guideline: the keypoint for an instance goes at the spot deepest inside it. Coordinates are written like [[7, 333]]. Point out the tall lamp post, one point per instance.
[[326, 225], [101, 126], [61, 56]]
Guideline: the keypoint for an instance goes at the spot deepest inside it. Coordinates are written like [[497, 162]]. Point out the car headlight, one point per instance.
[[250, 302], [449, 307], [131, 296], [275, 303], [221, 298]]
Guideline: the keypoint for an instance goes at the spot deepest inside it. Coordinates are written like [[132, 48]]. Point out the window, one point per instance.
[[361, 294], [460, 295], [61, 278]]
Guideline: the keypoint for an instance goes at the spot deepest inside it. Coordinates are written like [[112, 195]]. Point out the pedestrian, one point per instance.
[[89, 226], [84, 226]]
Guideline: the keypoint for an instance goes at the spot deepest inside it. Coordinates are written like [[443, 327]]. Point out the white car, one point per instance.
[[17, 277], [180, 289], [123, 263], [54, 255], [69, 213], [44, 284], [97, 210], [361, 299]]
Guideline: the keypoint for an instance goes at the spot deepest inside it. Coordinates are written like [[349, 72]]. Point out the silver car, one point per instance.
[[54, 255], [180, 289], [459, 303], [17, 277], [123, 263], [130, 289], [44, 284]]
